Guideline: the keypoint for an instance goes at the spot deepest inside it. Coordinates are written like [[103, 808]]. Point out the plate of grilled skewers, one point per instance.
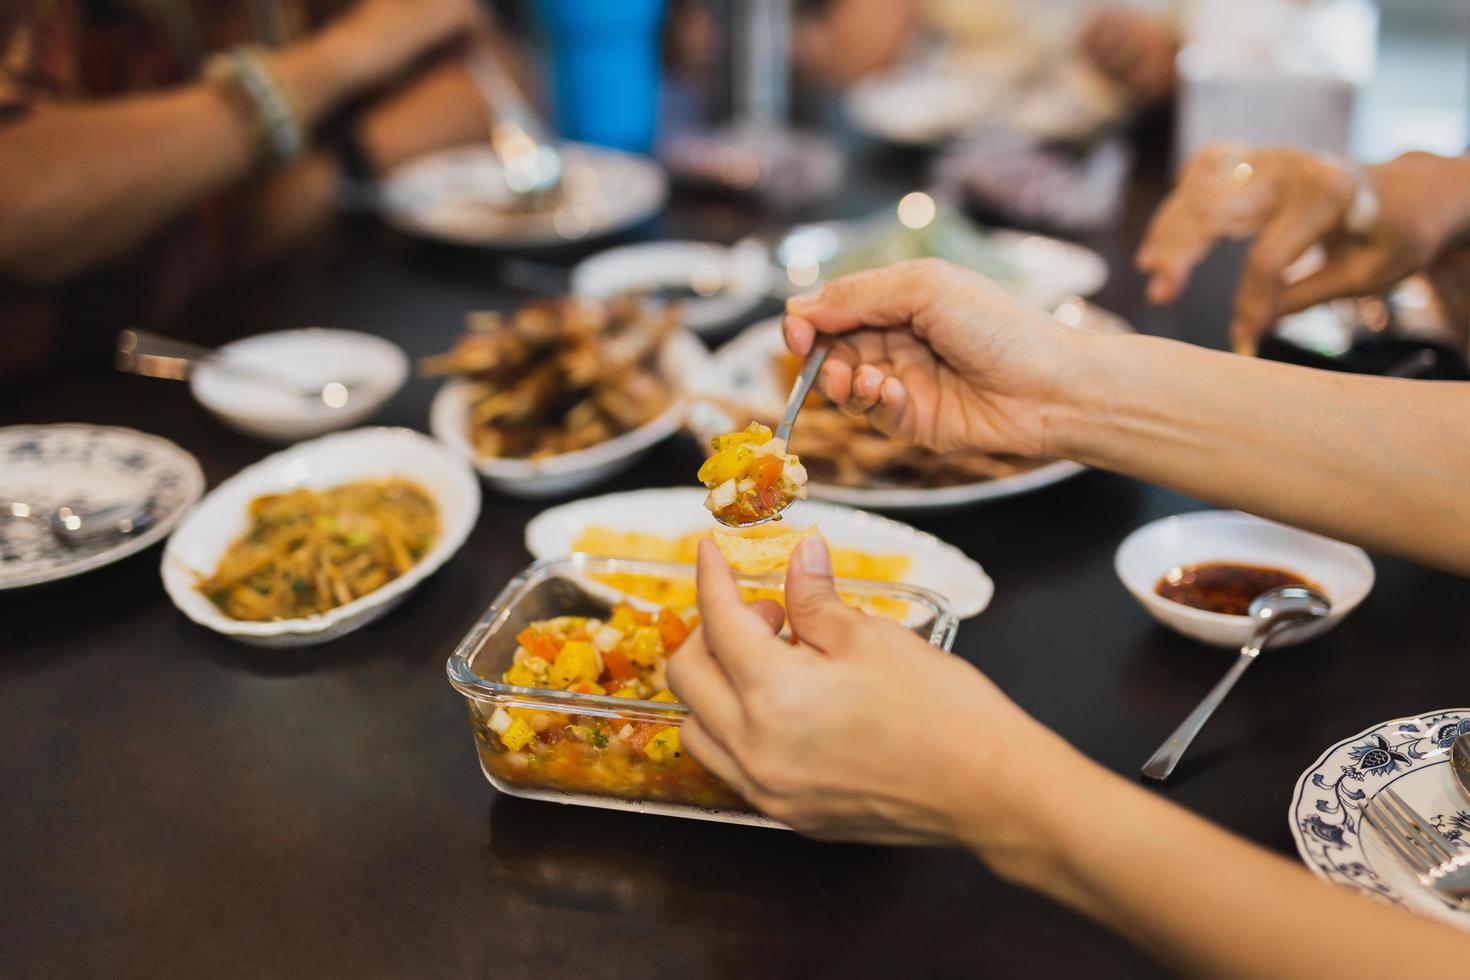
[[563, 393]]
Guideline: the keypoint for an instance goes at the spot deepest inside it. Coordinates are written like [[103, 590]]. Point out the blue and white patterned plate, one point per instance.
[[1413, 756], [86, 467]]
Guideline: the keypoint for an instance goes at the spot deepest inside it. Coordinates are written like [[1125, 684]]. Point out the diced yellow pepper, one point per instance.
[[663, 746], [665, 695], [623, 619], [519, 733], [588, 687], [576, 662], [645, 647], [727, 464], [626, 692], [521, 676]]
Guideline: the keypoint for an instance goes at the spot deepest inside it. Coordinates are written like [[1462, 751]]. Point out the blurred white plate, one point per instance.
[[741, 371], [1326, 815], [88, 468], [308, 358], [683, 357], [675, 511], [1035, 269], [1343, 571], [196, 547], [458, 195], [736, 278]]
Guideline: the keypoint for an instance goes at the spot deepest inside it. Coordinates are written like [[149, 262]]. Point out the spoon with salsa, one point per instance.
[[1273, 611], [751, 477]]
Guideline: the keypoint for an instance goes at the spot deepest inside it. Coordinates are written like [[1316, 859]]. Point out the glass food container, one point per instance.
[[587, 750]]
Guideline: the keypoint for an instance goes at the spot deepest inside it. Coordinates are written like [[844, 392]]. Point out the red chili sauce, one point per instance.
[[1225, 587]]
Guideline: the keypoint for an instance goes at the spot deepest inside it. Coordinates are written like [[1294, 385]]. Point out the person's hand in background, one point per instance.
[[936, 355], [1135, 50], [381, 38], [1291, 200], [860, 730]]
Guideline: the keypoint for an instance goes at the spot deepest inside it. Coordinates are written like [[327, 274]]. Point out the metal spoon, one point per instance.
[[820, 349], [531, 165], [156, 356], [75, 528], [1273, 612], [1460, 762]]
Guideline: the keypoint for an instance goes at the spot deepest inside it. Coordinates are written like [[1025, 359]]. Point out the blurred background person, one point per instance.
[[1371, 226], [148, 146]]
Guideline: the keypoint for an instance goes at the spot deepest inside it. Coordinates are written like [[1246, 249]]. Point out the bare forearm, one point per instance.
[[1381, 462], [1212, 905], [81, 184]]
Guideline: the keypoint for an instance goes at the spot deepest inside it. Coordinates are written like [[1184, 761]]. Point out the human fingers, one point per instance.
[[709, 751], [1289, 233], [738, 637], [1348, 272], [818, 615], [890, 296]]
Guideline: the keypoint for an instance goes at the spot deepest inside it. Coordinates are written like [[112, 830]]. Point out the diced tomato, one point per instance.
[[643, 734], [766, 472], [538, 644], [618, 666], [643, 616], [671, 627]]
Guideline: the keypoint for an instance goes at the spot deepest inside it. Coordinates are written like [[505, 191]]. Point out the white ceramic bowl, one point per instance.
[[1343, 571], [742, 273], [309, 358], [197, 545], [683, 356]]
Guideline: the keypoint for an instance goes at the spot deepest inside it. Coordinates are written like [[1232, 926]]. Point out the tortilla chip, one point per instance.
[[760, 550]]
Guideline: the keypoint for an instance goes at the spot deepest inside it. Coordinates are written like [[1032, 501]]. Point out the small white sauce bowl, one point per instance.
[[738, 277], [309, 359], [1344, 572], [195, 548]]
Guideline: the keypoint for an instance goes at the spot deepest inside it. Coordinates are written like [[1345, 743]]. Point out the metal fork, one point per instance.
[[1440, 866]]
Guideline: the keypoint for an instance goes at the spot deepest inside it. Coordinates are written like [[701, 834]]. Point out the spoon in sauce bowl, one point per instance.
[[1273, 612]]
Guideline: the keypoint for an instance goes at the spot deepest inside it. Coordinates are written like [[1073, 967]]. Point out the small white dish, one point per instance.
[[729, 281], [201, 539], [1145, 556], [676, 511], [309, 359], [682, 357], [459, 196], [87, 467], [1326, 815]]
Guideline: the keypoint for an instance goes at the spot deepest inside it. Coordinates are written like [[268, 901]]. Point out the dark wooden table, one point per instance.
[[174, 804]]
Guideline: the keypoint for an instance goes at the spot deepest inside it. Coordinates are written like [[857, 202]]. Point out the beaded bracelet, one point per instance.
[[244, 71]]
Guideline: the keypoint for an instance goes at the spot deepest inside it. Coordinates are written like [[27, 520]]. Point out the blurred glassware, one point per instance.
[[1261, 72], [1002, 172], [605, 69], [758, 153]]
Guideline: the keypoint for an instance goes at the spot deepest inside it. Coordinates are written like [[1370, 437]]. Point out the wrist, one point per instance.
[[1073, 406], [1445, 181], [321, 73]]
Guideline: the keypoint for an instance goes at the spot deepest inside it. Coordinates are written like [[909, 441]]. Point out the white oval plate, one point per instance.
[[87, 467], [675, 511], [459, 196], [683, 357], [1344, 571], [1413, 756], [741, 372], [309, 358], [742, 270], [201, 540]]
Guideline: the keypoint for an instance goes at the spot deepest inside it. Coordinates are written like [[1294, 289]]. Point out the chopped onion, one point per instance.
[[721, 496], [518, 759], [607, 639], [499, 721]]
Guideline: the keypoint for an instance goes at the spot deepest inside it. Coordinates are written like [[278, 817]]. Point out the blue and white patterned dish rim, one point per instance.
[[86, 467], [1413, 756]]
